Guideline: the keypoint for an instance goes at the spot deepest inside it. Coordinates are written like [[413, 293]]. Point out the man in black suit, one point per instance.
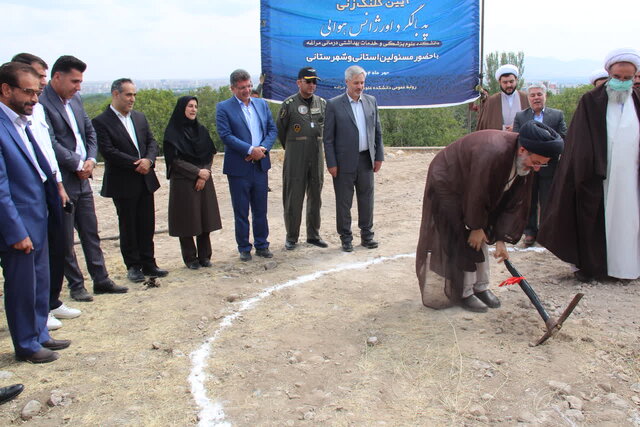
[[129, 150], [537, 96], [75, 146]]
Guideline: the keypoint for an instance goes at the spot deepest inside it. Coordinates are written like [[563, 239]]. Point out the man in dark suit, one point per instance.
[[76, 150], [248, 132], [28, 195], [537, 96], [353, 151], [129, 150]]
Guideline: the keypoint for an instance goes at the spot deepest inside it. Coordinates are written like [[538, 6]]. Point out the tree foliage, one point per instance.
[[497, 59], [567, 100]]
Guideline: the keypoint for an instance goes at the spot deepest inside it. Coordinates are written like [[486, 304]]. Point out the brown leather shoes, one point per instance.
[[44, 355], [56, 344]]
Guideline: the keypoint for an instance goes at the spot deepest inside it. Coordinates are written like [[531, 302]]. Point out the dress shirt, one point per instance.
[[20, 122], [128, 125], [40, 130], [251, 116], [80, 149], [538, 118], [361, 123]]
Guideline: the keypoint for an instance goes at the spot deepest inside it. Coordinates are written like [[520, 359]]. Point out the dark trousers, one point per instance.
[[539, 195], [55, 234], [250, 191], [83, 218], [26, 297], [343, 185], [293, 191], [136, 222], [200, 250]]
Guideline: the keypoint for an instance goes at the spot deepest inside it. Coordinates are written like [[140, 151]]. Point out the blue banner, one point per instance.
[[416, 53]]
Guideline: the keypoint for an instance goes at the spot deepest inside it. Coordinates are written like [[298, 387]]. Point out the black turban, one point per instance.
[[540, 139]]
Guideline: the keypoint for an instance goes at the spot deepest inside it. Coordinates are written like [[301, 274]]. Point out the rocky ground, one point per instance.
[[350, 345]]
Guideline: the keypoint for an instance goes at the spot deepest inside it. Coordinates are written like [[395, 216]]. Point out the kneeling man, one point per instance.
[[478, 193]]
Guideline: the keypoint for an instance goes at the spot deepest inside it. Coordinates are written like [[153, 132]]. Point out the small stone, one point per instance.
[[309, 415], [560, 387], [483, 419], [298, 385], [232, 297], [5, 375], [297, 355], [575, 414], [635, 387], [587, 339], [486, 397], [526, 417], [617, 401], [204, 319], [292, 360], [290, 423], [635, 400], [499, 362], [477, 411], [30, 410], [623, 377], [606, 387], [574, 402], [499, 331], [371, 341], [177, 353], [270, 265], [56, 398], [467, 317], [155, 345]]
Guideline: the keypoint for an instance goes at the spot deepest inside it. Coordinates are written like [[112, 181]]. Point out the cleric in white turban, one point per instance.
[[598, 77], [499, 110]]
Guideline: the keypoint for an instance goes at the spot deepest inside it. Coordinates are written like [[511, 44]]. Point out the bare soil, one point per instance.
[[300, 355]]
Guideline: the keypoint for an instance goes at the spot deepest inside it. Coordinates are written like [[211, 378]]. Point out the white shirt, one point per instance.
[[20, 122], [128, 125], [80, 149], [40, 130], [358, 112], [251, 116]]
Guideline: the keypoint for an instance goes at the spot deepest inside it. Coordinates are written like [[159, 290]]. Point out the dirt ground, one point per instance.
[[299, 356]]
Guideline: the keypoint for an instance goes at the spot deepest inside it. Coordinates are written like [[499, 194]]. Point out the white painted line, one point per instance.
[[536, 249], [212, 413]]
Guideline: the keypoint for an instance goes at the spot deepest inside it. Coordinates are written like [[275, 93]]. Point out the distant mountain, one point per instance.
[[575, 72]]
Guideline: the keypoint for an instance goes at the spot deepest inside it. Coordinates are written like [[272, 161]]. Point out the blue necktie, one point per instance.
[[42, 161]]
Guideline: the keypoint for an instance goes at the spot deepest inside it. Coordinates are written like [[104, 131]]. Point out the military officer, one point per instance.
[[300, 123]]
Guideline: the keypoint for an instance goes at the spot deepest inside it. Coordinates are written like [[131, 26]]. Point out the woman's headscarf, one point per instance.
[[186, 139]]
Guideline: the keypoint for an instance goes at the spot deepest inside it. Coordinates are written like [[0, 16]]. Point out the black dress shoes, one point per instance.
[[56, 344], [81, 294], [109, 287], [154, 272], [245, 256], [347, 247], [205, 263], [489, 298], [193, 265], [135, 274], [264, 253], [473, 303], [44, 355], [289, 245], [9, 392], [369, 244], [318, 242]]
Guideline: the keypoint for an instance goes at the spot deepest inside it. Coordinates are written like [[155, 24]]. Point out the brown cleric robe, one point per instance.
[[573, 226], [465, 191], [490, 116]]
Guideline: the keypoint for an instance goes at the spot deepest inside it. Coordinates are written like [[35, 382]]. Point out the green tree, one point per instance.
[[567, 100], [422, 127], [497, 59], [95, 104]]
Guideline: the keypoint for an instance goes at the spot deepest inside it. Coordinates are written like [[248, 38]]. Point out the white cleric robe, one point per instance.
[[622, 191]]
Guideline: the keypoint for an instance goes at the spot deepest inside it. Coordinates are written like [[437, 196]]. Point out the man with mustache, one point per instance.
[[537, 94], [593, 216], [499, 110]]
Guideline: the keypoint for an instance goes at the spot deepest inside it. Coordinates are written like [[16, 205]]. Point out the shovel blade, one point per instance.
[[554, 325]]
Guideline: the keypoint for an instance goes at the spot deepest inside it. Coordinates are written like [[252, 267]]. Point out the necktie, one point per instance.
[[42, 161]]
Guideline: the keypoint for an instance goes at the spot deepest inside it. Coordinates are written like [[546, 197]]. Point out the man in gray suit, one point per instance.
[[537, 96], [76, 149], [353, 151]]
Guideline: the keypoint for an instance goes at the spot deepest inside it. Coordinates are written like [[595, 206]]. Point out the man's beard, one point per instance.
[[508, 93], [617, 96], [521, 169]]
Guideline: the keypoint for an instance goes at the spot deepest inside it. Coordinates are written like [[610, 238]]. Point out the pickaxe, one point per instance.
[[553, 324]]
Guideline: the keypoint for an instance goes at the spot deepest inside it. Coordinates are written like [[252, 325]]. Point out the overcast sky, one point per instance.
[[154, 39]]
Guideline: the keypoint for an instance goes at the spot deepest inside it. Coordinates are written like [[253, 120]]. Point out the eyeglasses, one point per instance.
[[28, 91]]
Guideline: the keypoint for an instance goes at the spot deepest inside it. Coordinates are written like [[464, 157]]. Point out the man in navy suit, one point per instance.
[[76, 150], [28, 195], [537, 96], [248, 132]]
